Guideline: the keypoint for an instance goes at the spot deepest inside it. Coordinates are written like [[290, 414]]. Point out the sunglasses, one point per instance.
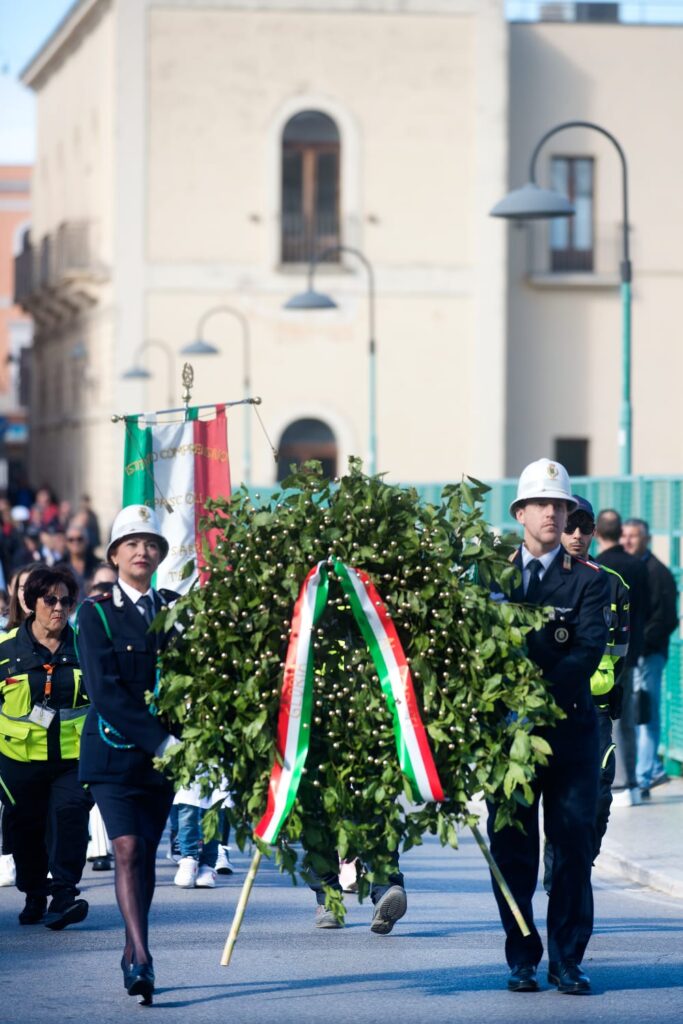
[[75, 540], [52, 601], [584, 524]]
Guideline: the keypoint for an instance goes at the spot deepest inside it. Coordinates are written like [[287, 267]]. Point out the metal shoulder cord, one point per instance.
[[111, 736]]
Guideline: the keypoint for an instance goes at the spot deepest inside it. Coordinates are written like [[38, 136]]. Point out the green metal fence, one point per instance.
[[658, 500]]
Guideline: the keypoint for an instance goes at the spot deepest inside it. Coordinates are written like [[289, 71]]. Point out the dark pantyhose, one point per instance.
[[134, 882]]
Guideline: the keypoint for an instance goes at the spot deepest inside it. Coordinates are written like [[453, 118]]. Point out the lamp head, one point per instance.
[[531, 202], [136, 373], [199, 347], [310, 300]]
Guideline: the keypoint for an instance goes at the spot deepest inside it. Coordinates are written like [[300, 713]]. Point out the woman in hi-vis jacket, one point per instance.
[[122, 735]]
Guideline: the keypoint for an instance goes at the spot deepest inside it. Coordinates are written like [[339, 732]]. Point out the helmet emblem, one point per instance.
[[143, 512], [552, 471]]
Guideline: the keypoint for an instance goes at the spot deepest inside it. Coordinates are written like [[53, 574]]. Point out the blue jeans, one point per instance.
[[648, 676], [190, 839]]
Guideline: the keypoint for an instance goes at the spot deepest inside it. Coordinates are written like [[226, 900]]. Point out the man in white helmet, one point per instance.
[[567, 650]]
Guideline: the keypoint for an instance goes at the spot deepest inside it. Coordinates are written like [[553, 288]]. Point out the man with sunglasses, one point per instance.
[[605, 685]]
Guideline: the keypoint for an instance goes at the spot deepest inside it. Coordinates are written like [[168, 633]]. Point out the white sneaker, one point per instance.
[[186, 875], [8, 872], [223, 865], [206, 877], [627, 798]]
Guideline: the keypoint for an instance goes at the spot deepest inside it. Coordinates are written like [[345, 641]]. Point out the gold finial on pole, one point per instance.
[[188, 382]]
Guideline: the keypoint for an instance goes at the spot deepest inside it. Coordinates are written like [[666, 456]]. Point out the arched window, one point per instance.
[[307, 439], [310, 186]]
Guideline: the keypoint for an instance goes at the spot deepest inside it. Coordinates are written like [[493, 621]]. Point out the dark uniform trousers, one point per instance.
[[568, 650], [47, 791]]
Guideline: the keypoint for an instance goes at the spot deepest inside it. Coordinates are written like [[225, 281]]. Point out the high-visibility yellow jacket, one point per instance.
[[24, 668]]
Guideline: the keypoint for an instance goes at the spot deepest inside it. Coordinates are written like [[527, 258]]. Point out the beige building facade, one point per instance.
[[192, 156], [564, 351], [178, 136]]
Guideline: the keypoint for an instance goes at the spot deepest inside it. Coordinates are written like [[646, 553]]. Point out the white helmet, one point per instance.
[[544, 479], [135, 519]]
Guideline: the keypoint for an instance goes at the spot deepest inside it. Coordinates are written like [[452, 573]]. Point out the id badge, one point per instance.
[[42, 715]]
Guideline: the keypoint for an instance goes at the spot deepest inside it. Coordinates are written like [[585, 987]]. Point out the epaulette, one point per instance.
[[591, 565]]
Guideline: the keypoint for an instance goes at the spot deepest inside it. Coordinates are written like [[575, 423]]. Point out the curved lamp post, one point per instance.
[[201, 347], [531, 202], [311, 299], [138, 372]]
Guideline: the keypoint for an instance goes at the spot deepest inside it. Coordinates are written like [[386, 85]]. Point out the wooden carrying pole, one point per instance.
[[240, 908], [502, 884]]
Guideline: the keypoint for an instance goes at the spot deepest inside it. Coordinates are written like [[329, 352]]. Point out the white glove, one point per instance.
[[170, 741]]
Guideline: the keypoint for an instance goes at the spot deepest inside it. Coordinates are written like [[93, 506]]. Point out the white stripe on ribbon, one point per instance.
[[397, 686]]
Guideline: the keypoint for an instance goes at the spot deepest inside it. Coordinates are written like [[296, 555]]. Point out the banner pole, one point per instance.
[[240, 908]]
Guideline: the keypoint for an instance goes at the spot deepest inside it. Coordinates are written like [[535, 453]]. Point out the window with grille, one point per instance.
[[571, 238], [310, 187]]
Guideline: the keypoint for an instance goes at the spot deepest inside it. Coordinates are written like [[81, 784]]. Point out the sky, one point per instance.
[[26, 24]]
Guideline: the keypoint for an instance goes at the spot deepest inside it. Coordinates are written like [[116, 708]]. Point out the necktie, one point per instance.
[[146, 603], [534, 585]]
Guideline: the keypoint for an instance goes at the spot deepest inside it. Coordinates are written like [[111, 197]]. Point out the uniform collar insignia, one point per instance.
[[117, 594]]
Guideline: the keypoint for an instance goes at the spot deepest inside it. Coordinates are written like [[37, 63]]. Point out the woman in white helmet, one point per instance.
[[122, 734]]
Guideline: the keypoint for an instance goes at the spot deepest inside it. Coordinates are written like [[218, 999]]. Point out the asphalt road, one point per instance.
[[442, 963]]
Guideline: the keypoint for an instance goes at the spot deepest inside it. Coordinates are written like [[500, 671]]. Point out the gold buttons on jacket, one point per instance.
[[129, 647]]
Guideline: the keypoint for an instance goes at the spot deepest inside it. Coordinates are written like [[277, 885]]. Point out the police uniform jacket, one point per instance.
[[119, 667], [568, 649], [25, 666]]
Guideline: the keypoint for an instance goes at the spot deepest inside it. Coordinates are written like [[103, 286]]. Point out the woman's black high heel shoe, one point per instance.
[[125, 967], [139, 981]]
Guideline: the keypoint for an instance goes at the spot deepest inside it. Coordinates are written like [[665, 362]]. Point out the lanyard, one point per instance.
[[48, 682]]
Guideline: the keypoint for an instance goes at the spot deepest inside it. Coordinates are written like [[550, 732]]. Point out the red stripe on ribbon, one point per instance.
[[285, 706]]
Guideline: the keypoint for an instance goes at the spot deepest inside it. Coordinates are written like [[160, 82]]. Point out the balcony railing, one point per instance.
[[64, 257], [305, 237]]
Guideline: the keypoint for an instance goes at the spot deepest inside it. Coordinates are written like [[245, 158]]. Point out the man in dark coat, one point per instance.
[[612, 554], [661, 622]]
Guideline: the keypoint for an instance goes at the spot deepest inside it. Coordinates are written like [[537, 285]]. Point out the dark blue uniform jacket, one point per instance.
[[117, 673], [568, 649]]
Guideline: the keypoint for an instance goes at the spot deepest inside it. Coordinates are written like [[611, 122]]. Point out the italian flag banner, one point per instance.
[[174, 468], [296, 699]]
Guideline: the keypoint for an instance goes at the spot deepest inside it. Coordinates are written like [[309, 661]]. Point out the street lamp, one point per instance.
[[531, 202], [201, 347], [138, 372], [311, 299]]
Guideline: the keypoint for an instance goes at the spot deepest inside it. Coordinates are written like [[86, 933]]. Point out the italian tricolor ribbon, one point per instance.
[[296, 699]]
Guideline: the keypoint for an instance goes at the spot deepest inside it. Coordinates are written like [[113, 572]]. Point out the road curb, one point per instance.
[[614, 862]]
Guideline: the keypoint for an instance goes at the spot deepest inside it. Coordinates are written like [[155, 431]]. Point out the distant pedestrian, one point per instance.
[[661, 622], [612, 554]]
